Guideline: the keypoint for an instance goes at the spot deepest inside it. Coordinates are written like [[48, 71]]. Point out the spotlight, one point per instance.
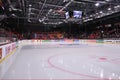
[[97, 4]]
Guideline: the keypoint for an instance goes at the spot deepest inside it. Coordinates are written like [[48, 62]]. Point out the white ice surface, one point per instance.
[[54, 62]]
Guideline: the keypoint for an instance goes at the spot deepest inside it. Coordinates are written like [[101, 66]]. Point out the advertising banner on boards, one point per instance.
[[7, 49], [100, 41], [0, 53]]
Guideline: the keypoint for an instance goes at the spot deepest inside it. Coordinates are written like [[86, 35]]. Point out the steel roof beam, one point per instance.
[[52, 5], [41, 9]]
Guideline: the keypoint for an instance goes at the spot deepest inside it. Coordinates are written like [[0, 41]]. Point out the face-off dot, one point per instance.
[[103, 59]]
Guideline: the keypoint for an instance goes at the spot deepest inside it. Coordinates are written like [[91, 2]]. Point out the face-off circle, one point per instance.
[[60, 62]]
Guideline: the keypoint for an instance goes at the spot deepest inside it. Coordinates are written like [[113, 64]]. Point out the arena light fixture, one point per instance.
[[107, 0], [40, 20], [101, 12], [109, 9], [117, 6], [30, 5], [65, 0], [3, 8], [97, 4]]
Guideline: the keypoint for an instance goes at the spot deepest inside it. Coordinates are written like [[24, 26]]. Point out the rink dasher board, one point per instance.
[[7, 49], [71, 41]]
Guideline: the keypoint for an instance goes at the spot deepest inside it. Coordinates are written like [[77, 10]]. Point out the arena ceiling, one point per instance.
[[53, 11]]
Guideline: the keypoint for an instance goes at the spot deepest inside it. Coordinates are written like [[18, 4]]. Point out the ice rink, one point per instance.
[[53, 62]]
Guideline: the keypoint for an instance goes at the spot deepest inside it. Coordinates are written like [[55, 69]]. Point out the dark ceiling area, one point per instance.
[[24, 14]]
